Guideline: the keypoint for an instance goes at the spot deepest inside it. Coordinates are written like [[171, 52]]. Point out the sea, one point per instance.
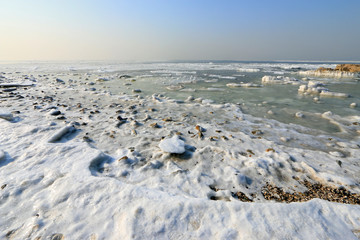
[[207, 82]]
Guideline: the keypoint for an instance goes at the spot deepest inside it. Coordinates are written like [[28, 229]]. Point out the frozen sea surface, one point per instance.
[[170, 151]]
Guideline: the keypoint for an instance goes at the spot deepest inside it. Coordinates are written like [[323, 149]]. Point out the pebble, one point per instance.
[[58, 80], [57, 236], [155, 125], [55, 113]]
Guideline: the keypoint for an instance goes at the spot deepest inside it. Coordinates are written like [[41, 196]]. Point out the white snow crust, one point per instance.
[[102, 171]]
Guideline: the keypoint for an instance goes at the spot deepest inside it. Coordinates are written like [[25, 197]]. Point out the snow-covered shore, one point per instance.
[[77, 162]]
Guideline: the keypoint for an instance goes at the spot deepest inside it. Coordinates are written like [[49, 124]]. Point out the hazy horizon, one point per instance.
[[141, 31]]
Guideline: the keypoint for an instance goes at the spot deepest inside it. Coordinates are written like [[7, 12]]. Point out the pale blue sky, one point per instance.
[[145, 30]]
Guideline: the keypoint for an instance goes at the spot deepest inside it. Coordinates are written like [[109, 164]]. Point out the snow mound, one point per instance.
[[172, 145]]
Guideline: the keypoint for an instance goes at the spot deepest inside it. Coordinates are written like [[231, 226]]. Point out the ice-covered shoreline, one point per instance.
[[105, 176]]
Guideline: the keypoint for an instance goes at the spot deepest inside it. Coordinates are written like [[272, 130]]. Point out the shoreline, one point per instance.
[[110, 159]]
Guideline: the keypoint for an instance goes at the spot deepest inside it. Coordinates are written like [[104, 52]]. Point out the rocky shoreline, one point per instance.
[[340, 71]]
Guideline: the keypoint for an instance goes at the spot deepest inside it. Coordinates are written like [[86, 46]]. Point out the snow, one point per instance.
[[172, 145], [105, 180], [61, 133]]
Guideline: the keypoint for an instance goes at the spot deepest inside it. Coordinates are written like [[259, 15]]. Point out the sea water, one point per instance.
[[273, 101], [208, 81]]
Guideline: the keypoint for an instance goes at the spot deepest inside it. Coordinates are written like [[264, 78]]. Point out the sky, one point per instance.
[[165, 30]]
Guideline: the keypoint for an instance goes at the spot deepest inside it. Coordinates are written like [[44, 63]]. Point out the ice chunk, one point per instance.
[[353, 105], [248, 70], [299, 115], [246, 85], [334, 74], [278, 80], [325, 93], [172, 145]]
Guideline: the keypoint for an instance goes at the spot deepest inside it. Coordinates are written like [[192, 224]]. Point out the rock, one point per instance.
[[172, 145], [136, 91], [55, 113], [125, 76], [7, 116], [2, 155], [341, 70], [348, 67], [102, 79], [58, 80], [167, 119], [154, 125], [57, 236]]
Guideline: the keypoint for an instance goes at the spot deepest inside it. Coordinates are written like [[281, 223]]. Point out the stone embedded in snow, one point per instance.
[[2, 155], [102, 79], [6, 116], [172, 145], [58, 80], [55, 113]]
